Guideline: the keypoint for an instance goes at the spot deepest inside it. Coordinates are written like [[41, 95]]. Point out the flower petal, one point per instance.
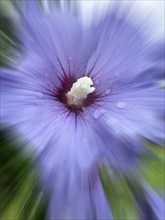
[[79, 195], [134, 112], [156, 202]]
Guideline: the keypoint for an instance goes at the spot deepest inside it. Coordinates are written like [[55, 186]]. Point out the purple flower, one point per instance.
[[82, 95]]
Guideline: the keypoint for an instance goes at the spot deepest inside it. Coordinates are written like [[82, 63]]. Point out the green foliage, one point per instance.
[[120, 188], [20, 194], [152, 168], [120, 197], [8, 41]]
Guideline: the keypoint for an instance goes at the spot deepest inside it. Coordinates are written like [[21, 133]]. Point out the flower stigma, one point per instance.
[[79, 91]]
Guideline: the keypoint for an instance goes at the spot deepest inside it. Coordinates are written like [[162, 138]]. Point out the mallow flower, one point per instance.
[[81, 96]]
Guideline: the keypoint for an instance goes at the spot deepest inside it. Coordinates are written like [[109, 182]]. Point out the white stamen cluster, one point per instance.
[[79, 91]]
